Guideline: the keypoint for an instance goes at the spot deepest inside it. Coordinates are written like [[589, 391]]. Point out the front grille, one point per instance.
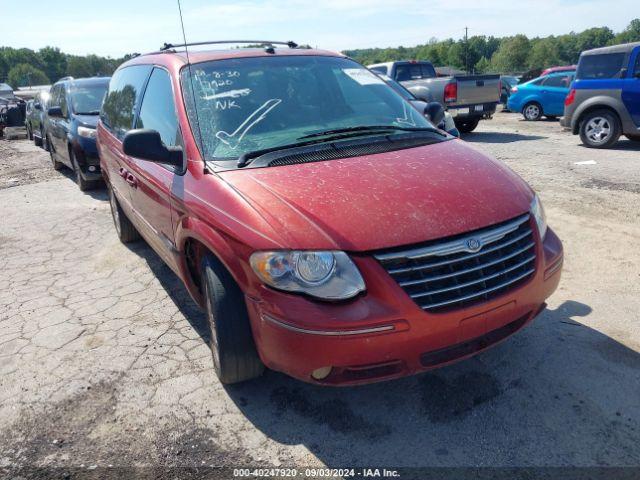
[[466, 269]]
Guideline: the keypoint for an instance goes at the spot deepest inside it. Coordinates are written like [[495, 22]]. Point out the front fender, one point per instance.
[[193, 228]]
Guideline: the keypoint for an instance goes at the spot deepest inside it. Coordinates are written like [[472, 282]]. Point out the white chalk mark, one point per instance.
[[586, 162], [408, 116], [234, 139], [230, 94]]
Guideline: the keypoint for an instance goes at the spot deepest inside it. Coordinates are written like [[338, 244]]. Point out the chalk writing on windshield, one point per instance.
[[234, 139]]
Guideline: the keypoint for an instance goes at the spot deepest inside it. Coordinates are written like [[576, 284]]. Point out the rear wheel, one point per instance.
[[467, 126], [599, 129], [532, 112], [235, 358], [124, 228], [56, 164]]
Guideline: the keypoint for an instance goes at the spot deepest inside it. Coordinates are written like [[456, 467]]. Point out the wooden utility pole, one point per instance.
[[466, 50]]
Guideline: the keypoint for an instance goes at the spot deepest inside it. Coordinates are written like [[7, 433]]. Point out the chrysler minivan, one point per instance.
[[326, 227]]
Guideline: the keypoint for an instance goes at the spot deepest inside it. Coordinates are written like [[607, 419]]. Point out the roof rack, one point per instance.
[[262, 43]]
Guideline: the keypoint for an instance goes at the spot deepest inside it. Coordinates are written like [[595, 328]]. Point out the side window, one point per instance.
[[63, 101], [636, 69], [122, 99], [158, 110], [557, 81]]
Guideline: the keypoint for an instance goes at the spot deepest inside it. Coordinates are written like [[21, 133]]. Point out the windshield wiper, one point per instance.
[[246, 158], [368, 128]]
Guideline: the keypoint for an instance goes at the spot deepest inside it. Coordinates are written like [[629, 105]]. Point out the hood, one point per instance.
[[384, 200], [87, 120]]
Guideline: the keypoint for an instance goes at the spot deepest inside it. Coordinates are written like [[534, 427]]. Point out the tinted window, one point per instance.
[[382, 70], [414, 71], [122, 98], [601, 66], [87, 99], [636, 71], [562, 81], [158, 109]]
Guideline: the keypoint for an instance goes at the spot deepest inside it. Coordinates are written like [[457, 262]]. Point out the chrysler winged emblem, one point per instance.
[[474, 245]]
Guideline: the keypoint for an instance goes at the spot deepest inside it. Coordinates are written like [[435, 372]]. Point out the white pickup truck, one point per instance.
[[468, 98]]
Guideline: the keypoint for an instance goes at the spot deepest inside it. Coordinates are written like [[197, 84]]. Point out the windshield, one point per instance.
[[87, 99], [248, 104]]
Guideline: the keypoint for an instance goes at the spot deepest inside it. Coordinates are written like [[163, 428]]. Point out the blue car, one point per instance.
[[541, 96], [70, 127]]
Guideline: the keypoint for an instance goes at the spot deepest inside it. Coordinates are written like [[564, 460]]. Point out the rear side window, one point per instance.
[[636, 70], [158, 110], [122, 99], [608, 65], [562, 81]]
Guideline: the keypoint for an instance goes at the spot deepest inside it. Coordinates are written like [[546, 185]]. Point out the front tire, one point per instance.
[[532, 112], [235, 358], [83, 184], [600, 129], [127, 233]]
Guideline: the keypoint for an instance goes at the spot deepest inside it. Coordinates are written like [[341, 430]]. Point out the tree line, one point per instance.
[[20, 67], [517, 54]]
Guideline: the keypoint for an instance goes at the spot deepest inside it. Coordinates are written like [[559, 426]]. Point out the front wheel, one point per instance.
[[83, 184], [532, 112], [235, 358], [467, 126], [599, 129]]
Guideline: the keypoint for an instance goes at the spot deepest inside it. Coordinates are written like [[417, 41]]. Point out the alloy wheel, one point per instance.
[[532, 112], [598, 130]]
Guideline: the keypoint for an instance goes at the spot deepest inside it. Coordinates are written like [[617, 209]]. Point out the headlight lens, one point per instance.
[[87, 132], [538, 213], [324, 274]]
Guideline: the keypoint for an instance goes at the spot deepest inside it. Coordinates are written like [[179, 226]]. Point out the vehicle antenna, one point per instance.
[[193, 90]]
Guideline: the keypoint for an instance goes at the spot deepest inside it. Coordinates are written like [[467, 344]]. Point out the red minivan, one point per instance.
[[327, 228]]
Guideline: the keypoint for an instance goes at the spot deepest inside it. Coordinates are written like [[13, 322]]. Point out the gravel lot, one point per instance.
[[103, 358]]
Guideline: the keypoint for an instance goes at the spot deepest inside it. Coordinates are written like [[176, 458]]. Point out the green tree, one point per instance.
[[544, 53], [512, 55], [54, 61], [629, 34], [24, 74], [483, 66]]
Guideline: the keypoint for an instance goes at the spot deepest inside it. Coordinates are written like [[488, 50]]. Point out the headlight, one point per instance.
[[87, 132], [538, 213], [326, 275]]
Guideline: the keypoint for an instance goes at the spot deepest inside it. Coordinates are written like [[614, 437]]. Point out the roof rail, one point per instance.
[[262, 43]]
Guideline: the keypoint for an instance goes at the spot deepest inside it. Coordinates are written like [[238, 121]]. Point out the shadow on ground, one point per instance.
[[557, 393], [498, 137]]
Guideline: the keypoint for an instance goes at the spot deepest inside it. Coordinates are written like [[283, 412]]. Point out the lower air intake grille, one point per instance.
[[466, 269]]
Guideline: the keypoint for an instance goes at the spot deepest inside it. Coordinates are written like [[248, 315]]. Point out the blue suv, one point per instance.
[[542, 96], [605, 100], [70, 127]]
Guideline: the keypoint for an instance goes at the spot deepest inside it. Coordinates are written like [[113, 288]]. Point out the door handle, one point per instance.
[[131, 180], [122, 172]]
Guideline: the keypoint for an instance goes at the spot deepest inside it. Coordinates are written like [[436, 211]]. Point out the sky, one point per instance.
[[116, 27]]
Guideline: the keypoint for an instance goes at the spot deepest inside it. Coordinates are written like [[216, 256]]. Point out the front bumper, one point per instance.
[[383, 334]]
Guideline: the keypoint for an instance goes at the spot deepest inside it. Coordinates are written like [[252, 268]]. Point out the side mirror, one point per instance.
[[435, 112], [146, 144], [37, 106], [54, 112]]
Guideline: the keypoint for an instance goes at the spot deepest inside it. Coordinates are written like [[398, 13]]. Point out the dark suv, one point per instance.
[[604, 101], [72, 116]]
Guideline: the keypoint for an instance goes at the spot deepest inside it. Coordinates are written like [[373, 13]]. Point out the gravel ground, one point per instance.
[[103, 358]]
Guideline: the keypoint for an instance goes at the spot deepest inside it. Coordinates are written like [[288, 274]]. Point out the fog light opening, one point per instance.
[[92, 168], [321, 373]]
